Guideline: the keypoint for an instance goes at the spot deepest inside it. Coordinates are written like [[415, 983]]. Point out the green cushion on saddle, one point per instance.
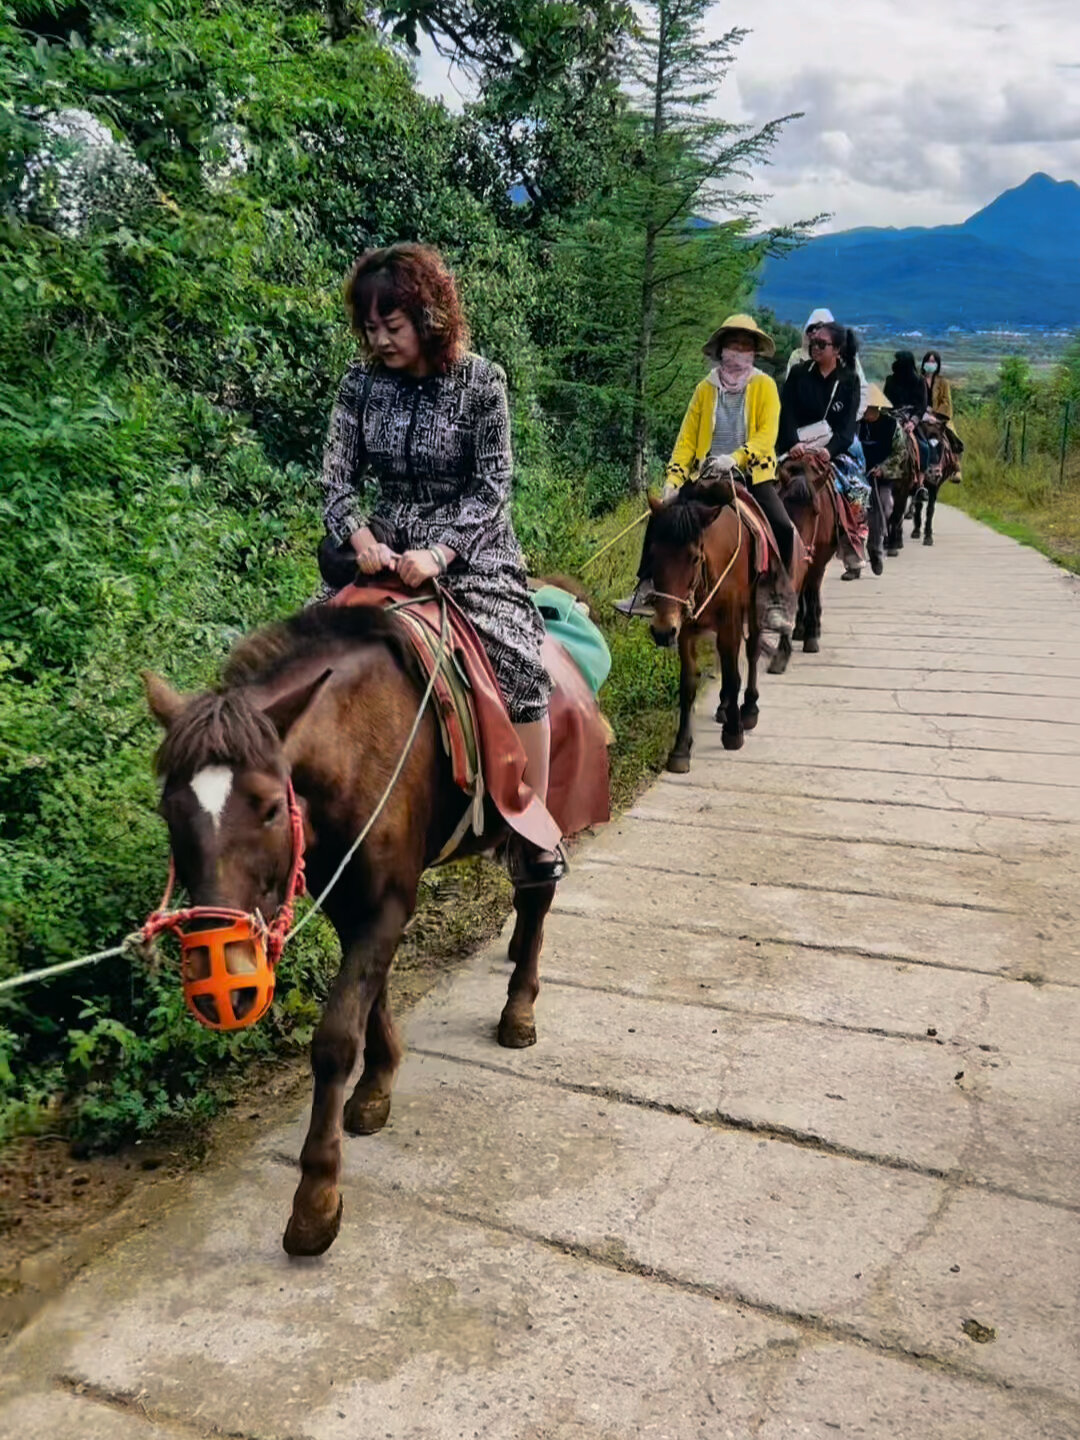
[[566, 621]]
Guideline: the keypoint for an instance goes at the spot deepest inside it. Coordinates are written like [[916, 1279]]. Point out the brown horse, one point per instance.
[[701, 560], [806, 488], [328, 700]]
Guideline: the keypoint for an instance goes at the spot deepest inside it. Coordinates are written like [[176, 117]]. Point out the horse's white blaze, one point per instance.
[[212, 787]]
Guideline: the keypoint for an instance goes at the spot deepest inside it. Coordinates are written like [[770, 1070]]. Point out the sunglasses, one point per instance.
[[821, 345]]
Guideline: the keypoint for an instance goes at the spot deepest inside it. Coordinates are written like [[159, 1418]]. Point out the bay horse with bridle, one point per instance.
[[704, 581], [293, 755], [807, 489]]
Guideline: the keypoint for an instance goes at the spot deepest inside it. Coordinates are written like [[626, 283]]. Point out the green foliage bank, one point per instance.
[[182, 186]]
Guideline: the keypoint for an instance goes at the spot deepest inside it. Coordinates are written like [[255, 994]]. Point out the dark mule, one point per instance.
[[701, 559], [943, 466], [327, 699], [902, 488], [807, 490]]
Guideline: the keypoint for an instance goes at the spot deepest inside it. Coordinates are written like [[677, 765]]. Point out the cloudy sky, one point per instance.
[[916, 113]]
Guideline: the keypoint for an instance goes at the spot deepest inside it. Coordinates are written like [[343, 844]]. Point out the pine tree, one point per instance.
[[687, 166]]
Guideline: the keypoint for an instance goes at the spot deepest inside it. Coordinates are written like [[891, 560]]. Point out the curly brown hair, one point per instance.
[[415, 279]]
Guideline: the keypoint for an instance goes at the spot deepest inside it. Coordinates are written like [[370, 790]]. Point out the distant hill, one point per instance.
[[1014, 264]]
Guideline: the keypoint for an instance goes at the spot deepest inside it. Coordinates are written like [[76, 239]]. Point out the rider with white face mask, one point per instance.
[[938, 389]]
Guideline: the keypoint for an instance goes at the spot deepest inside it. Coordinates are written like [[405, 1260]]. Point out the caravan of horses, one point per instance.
[[431, 704]]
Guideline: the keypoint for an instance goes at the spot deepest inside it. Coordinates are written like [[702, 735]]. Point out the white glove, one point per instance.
[[725, 462], [669, 491]]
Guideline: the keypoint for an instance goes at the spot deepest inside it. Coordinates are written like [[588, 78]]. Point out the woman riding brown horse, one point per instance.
[[417, 474], [325, 702], [701, 559]]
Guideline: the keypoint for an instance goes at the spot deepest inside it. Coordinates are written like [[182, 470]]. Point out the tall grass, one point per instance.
[[1029, 501]]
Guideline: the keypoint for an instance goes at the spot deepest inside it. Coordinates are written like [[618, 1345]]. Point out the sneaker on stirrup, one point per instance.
[[636, 605]]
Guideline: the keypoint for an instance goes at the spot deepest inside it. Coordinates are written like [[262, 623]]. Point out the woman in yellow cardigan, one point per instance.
[[734, 416]]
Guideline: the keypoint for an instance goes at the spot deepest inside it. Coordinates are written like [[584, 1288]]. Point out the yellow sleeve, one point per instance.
[[684, 457], [943, 405], [758, 455]]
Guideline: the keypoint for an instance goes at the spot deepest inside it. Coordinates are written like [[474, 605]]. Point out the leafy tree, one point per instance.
[[686, 165], [1016, 385]]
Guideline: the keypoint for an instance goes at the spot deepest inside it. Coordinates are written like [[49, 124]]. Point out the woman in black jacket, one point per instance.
[[819, 409]]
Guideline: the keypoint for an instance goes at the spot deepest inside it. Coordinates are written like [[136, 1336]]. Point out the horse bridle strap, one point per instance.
[[163, 919], [688, 603]]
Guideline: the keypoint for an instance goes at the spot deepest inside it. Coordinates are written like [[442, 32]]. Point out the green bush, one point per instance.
[[171, 335]]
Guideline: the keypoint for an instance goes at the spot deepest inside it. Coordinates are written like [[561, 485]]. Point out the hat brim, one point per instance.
[[763, 343]]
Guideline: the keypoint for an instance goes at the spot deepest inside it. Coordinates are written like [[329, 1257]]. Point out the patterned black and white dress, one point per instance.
[[433, 467]]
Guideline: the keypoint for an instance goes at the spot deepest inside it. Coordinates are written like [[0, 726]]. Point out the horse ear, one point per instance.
[[287, 709], [165, 702], [711, 515], [655, 504]]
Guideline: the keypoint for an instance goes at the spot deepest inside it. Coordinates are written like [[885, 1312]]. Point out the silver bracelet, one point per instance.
[[440, 559]]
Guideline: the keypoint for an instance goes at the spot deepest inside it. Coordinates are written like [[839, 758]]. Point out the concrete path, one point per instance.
[[797, 1153]]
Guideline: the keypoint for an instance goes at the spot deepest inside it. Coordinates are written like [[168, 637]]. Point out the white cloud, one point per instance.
[[941, 106], [915, 114]]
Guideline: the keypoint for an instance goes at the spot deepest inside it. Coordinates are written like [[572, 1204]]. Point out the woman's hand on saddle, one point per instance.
[[797, 452], [371, 556], [417, 567]]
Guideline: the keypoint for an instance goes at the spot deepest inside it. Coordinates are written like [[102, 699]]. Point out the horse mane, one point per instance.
[[680, 522], [263, 655], [218, 728], [223, 727], [793, 481]]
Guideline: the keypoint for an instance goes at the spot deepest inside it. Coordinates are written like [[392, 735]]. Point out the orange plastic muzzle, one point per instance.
[[228, 969], [228, 981]]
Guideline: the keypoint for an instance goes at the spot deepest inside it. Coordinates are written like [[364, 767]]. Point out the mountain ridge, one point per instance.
[[1015, 262]]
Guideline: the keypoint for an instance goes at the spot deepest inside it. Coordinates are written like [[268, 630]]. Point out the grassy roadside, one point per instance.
[[1029, 502]]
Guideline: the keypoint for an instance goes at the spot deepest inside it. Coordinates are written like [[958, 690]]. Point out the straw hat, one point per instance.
[[877, 399], [748, 325]]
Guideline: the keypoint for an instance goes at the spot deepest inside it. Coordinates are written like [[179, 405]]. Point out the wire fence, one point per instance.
[[1030, 432]]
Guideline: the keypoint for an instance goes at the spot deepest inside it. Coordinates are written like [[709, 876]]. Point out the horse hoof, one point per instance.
[[732, 739], [798, 633], [366, 1114], [811, 645], [678, 764], [749, 718], [916, 532], [928, 539], [311, 1237], [779, 662], [516, 1033], [892, 553]]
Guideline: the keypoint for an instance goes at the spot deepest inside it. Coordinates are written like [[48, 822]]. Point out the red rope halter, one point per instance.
[[266, 940]]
